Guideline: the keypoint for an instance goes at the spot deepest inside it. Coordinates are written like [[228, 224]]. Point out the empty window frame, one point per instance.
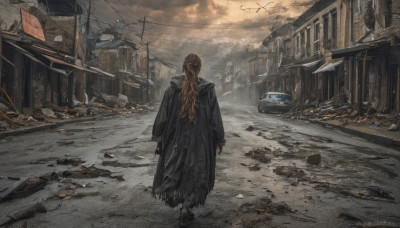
[[316, 36], [388, 13], [308, 43], [334, 29], [302, 37], [325, 19]]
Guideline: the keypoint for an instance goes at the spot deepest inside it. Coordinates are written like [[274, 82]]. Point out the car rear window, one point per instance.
[[279, 97]]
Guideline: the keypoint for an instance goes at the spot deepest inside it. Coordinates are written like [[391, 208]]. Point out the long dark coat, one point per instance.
[[186, 166]]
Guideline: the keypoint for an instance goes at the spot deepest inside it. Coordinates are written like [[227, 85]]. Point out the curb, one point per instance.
[[378, 139], [51, 125]]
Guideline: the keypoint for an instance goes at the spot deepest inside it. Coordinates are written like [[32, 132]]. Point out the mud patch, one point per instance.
[[260, 154], [89, 172], [252, 222], [265, 205], [265, 208], [255, 167], [70, 161], [374, 193], [291, 171], [123, 165]]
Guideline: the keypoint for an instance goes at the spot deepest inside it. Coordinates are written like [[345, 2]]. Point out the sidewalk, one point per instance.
[[375, 135], [45, 126]]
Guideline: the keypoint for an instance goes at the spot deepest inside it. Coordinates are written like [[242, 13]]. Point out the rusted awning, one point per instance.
[[59, 61], [328, 67], [310, 65]]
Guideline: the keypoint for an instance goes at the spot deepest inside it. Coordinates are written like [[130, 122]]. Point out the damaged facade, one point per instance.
[[345, 50], [48, 56]]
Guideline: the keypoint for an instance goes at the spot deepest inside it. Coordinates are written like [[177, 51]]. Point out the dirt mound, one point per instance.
[[260, 154], [291, 171]]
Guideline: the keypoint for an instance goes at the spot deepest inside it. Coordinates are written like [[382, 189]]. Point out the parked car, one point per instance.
[[275, 102]]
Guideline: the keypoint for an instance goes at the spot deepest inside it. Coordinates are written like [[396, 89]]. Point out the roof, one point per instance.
[[316, 8], [282, 31]]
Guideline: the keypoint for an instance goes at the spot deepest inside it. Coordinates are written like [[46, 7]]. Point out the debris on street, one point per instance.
[[314, 159], [250, 128], [88, 172], [260, 154], [27, 187], [108, 155], [70, 161], [291, 171], [23, 214], [255, 167], [50, 113], [123, 165], [240, 196], [346, 114]]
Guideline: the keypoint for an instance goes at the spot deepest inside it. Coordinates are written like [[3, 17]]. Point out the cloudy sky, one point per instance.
[[211, 28]]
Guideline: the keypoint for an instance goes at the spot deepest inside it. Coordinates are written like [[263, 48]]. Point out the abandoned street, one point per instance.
[[103, 172]]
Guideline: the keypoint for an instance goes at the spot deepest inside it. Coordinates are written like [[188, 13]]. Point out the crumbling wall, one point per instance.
[[108, 60]]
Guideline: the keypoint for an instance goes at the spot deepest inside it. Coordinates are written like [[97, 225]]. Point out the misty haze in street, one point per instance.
[[308, 92]]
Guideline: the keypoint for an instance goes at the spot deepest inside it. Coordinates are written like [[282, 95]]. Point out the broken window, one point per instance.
[[334, 29], [388, 13], [302, 43], [326, 26], [297, 44], [308, 45], [316, 36]]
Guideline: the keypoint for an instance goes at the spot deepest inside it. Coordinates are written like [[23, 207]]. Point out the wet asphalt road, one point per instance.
[[356, 183]]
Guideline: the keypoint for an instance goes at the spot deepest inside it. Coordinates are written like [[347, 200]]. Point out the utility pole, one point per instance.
[[87, 54], [148, 72], [73, 53], [144, 24]]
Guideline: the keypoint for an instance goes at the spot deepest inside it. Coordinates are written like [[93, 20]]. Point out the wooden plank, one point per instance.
[[9, 99]]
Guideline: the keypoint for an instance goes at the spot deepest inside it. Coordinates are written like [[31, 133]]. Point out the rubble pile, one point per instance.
[[346, 114], [99, 105]]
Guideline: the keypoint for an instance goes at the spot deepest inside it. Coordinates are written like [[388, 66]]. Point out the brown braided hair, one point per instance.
[[190, 90]]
